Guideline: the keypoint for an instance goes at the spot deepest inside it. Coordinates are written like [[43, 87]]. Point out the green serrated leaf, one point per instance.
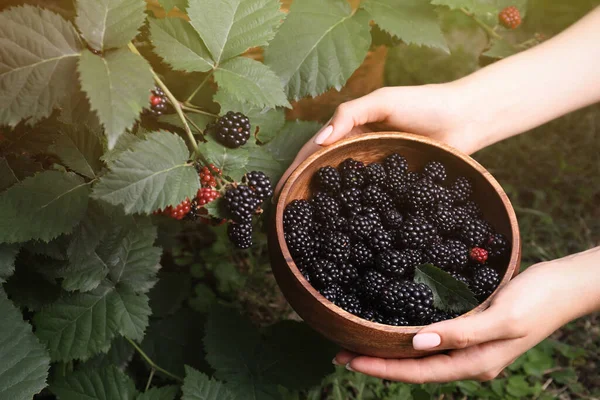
[[109, 383], [267, 121], [39, 50], [413, 21], [118, 86], [75, 110], [120, 354], [216, 209], [42, 207], [162, 393], [29, 289], [223, 157], [478, 7], [132, 312], [201, 120], [7, 175], [501, 49], [179, 45], [260, 159], [286, 144], [449, 294], [106, 24], [125, 141], [152, 175], [80, 150], [301, 53], [25, 362], [203, 299], [230, 27], [8, 255], [250, 81], [169, 293], [198, 386]]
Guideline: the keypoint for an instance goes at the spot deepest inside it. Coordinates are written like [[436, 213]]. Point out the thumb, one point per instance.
[[373, 107], [463, 332]]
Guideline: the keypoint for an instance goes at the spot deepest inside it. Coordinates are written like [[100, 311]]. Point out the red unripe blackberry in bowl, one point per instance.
[[367, 302]]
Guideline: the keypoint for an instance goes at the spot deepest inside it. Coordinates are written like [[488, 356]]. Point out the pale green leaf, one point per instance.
[[7, 175], [151, 175], [198, 386], [266, 122], [223, 157], [106, 24], [109, 383], [38, 53], [25, 362], [286, 144], [8, 254], [132, 312], [80, 150], [118, 86], [179, 45], [125, 141], [501, 49], [319, 46], [230, 27], [168, 5], [412, 21], [474, 6], [162, 393], [42, 207], [250, 81], [201, 120], [449, 294]]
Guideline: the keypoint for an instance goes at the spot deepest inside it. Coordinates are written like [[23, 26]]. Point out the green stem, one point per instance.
[[482, 24], [195, 92], [152, 371], [152, 363], [173, 101], [200, 131], [195, 110]]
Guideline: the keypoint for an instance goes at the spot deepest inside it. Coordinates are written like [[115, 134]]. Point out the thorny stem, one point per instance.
[[152, 371], [152, 363], [194, 125], [482, 24], [195, 92]]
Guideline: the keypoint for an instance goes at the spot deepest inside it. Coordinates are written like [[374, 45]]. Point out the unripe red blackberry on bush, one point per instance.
[[158, 101], [510, 17]]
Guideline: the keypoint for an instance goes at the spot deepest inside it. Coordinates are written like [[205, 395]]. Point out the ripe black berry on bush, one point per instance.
[[435, 171], [328, 180], [232, 129], [411, 300], [240, 234], [485, 281], [260, 183], [241, 202], [398, 263], [416, 233], [158, 101]]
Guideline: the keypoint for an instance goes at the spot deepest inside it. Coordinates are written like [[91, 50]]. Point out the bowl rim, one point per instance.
[[513, 263]]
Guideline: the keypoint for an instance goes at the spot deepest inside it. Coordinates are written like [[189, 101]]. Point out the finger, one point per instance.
[[306, 150], [344, 357], [492, 324], [373, 107]]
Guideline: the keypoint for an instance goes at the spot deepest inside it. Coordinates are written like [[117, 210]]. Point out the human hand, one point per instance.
[[526, 311], [432, 110]]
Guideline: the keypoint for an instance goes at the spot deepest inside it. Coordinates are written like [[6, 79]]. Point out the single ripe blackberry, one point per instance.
[[396, 185], [298, 213], [373, 214], [349, 302], [497, 246], [472, 209], [325, 206], [241, 202], [232, 129], [474, 232], [324, 273], [435, 171], [422, 195], [445, 196], [380, 240], [158, 101], [336, 247], [444, 219], [372, 195], [353, 173], [348, 274], [416, 233], [373, 315], [413, 177], [395, 163], [458, 255], [392, 219], [351, 201], [461, 215], [300, 243], [438, 255], [361, 255], [337, 223], [462, 189], [240, 234], [260, 183], [439, 316], [328, 180], [332, 292], [360, 227], [485, 281], [398, 263], [396, 320], [375, 174], [371, 285], [196, 210], [411, 300], [462, 278]]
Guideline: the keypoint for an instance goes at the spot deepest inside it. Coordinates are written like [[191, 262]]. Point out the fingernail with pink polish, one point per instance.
[[426, 341], [324, 134]]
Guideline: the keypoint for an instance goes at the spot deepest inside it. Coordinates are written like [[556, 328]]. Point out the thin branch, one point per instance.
[[152, 363], [200, 131], [482, 24], [195, 92], [152, 371], [196, 110]]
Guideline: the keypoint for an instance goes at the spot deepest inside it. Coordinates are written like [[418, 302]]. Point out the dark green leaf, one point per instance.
[[119, 355], [79, 150], [56, 248], [109, 383], [42, 207], [302, 52], [29, 289], [124, 143], [201, 120], [469, 388], [118, 86], [203, 299], [8, 254], [39, 53], [75, 110], [518, 386], [171, 290], [216, 209], [198, 386], [475, 6], [250, 81], [498, 386], [25, 362], [538, 361], [501, 49], [106, 24], [162, 393], [7, 175], [152, 175], [223, 157], [449, 294], [288, 142]]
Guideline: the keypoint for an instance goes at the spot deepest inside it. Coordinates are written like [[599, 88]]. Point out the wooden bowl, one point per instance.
[[345, 329]]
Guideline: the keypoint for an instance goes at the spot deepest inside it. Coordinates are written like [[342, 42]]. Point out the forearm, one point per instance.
[[535, 86]]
